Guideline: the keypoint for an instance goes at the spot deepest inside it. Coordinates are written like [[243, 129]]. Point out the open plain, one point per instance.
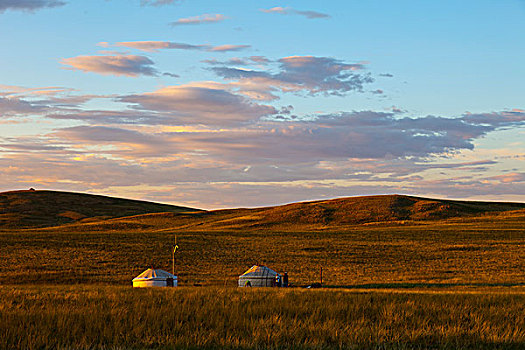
[[418, 273]]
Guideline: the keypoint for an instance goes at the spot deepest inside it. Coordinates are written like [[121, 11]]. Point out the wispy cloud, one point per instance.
[[205, 18], [291, 11], [128, 65], [162, 45], [158, 2], [28, 5], [145, 144], [159, 45], [236, 61], [10, 106], [6, 90], [509, 178], [225, 48], [173, 75], [105, 117]]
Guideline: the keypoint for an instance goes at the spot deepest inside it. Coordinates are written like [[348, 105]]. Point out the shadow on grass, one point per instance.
[[380, 346], [422, 285]]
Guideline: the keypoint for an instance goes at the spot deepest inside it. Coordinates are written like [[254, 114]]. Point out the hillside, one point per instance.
[[22, 209], [349, 211], [329, 214], [25, 209], [359, 210]]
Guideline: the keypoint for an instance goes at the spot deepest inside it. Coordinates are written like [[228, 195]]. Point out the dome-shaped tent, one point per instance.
[[155, 278], [258, 276]]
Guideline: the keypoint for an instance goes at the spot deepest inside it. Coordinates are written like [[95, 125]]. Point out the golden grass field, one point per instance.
[[119, 317], [474, 252], [416, 274]]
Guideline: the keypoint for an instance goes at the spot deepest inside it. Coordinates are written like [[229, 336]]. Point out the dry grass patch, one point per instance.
[[87, 317]]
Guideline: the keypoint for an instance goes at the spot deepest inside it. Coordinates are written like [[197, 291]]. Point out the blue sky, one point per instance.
[[247, 103]]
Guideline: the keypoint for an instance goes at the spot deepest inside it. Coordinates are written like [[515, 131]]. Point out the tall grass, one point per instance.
[[86, 317]]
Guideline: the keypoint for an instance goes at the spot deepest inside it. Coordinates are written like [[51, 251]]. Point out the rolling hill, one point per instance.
[[369, 209], [334, 213], [25, 209], [34, 209]]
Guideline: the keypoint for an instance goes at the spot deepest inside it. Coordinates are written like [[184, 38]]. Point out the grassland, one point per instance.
[[416, 273], [478, 251], [90, 317]]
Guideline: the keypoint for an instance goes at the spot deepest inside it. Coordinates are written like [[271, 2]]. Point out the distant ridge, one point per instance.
[[29, 208], [341, 212], [382, 208], [34, 209]]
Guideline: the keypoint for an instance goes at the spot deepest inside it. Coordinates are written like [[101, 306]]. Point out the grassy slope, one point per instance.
[[19, 209], [25, 209], [327, 215], [357, 210]]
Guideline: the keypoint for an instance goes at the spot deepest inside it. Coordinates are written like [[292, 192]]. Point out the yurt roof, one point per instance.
[[154, 274], [259, 271]]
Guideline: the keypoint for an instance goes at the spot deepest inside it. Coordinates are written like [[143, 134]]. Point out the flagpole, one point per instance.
[[173, 256]]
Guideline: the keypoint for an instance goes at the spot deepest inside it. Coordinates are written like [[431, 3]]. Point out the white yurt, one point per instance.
[[259, 276], [155, 278]]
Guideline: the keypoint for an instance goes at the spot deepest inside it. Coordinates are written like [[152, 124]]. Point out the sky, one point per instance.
[[221, 104]]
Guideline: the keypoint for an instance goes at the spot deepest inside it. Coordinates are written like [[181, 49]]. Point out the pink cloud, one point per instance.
[[291, 11], [223, 48], [205, 18], [509, 178], [277, 9], [128, 65], [159, 45], [189, 104]]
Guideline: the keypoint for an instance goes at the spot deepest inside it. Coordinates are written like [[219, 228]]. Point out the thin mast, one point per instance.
[[175, 246]]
